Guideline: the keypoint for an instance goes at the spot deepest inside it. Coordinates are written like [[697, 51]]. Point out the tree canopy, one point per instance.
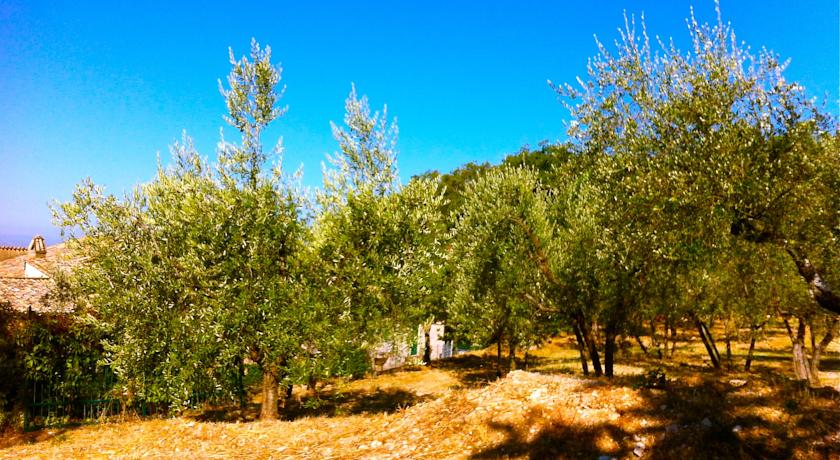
[[695, 186]]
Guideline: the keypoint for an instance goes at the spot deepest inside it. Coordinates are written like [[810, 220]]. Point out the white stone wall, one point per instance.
[[390, 356], [439, 348]]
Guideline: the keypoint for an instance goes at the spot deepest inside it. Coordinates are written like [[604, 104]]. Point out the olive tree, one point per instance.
[[197, 271], [500, 288], [378, 242], [711, 143], [703, 146]]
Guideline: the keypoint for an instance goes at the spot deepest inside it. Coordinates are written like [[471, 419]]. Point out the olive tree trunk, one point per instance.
[[614, 327], [642, 345], [581, 349], [427, 344], [805, 368], [672, 325], [801, 366], [511, 355], [823, 294], [754, 328], [270, 400], [609, 349], [588, 338], [708, 342]]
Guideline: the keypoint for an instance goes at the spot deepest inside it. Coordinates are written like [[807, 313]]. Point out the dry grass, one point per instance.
[[457, 409]]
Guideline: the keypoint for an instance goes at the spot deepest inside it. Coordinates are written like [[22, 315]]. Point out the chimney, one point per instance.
[[38, 248]]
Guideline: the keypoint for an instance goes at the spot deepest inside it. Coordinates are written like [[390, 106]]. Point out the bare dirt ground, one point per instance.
[[457, 409]]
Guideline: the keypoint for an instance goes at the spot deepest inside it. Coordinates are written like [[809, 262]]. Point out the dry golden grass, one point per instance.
[[456, 409]]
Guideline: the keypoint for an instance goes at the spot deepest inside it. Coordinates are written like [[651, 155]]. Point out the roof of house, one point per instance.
[[14, 267], [55, 259], [35, 293], [25, 288], [7, 252]]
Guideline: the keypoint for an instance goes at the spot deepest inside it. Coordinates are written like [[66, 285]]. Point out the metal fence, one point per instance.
[[45, 407]]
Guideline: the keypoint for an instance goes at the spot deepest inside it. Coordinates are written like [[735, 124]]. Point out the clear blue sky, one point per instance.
[[99, 88]]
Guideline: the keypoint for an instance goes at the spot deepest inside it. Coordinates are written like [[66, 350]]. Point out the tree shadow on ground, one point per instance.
[[228, 414], [553, 441], [830, 364], [757, 414], [706, 415], [342, 402], [11, 438], [475, 371], [471, 370], [329, 403]]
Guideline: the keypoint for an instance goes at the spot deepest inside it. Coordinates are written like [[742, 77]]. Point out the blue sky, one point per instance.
[[98, 89]]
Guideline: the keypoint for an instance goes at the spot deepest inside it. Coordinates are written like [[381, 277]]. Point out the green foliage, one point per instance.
[[686, 160], [190, 274], [548, 161], [368, 157], [695, 147], [10, 363], [452, 186], [690, 159], [64, 354], [251, 100], [499, 289], [377, 243]]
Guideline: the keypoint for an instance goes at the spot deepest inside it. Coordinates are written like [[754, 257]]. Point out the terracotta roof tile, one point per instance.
[[57, 258], [7, 252], [23, 293], [14, 267]]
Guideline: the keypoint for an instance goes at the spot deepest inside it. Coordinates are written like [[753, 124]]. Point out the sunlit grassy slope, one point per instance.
[[457, 409]]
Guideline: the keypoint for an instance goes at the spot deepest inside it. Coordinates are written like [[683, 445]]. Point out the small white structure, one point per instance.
[[391, 355], [439, 348]]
